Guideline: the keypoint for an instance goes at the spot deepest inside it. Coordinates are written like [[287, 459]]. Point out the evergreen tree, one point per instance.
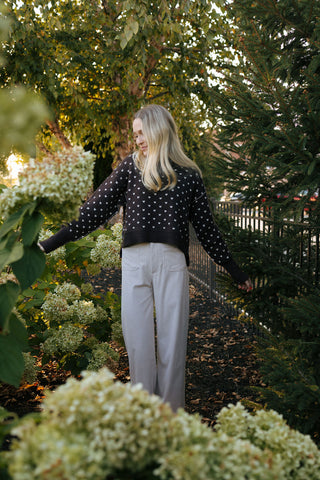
[[268, 147], [270, 100]]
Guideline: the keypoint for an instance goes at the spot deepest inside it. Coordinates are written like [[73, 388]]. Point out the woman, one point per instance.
[[163, 192]]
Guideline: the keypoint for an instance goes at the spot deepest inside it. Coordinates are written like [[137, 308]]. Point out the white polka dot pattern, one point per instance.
[[150, 216]]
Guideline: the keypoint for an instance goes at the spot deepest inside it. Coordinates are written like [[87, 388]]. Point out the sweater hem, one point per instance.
[[135, 237]]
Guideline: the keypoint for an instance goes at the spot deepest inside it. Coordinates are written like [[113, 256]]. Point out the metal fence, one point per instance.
[[304, 252]]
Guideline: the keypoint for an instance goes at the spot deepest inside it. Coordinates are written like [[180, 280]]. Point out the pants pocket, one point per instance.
[[174, 259]]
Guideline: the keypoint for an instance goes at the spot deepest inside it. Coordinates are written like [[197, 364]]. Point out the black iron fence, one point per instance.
[[304, 252]]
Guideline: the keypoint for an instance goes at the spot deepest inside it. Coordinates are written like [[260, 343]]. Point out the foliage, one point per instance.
[[97, 62], [66, 319], [117, 430], [17, 129], [27, 263], [24, 208], [268, 140], [268, 147], [284, 306], [290, 365]]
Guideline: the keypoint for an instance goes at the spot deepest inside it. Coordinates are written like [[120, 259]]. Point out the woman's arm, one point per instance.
[[211, 239], [100, 207]]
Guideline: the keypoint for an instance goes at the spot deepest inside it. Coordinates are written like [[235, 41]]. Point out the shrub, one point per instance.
[[95, 429], [77, 329], [67, 319]]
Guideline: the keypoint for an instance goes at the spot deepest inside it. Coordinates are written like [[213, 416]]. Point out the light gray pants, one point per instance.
[[156, 275]]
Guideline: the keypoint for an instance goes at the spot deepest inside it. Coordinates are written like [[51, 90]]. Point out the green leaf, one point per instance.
[[11, 255], [9, 293], [123, 42], [311, 167], [18, 331], [134, 27], [14, 219], [30, 227], [30, 266], [11, 361]]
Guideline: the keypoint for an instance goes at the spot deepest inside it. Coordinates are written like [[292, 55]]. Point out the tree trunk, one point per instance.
[[57, 132]]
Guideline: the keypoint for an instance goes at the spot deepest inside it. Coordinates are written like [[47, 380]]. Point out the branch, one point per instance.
[[57, 132], [159, 95], [43, 148], [107, 11]]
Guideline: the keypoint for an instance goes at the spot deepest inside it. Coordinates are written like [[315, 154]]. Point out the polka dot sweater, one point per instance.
[[160, 217]]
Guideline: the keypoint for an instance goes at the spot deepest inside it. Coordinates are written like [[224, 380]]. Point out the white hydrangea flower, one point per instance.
[[102, 355], [117, 333], [95, 428], [86, 288], [116, 230], [101, 314], [66, 339], [7, 277], [68, 291], [106, 252], [83, 312], [59, 183], [56, 308], [295, 453]]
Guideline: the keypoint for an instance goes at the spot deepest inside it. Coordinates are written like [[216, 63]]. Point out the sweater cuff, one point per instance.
[[57, 240], [234, 270]]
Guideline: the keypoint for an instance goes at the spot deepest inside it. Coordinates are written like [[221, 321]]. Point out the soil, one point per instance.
[[221, 364]]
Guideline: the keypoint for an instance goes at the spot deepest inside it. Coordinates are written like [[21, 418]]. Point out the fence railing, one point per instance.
[[304, 253]]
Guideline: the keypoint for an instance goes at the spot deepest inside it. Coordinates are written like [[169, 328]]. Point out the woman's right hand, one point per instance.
[[246, 286]]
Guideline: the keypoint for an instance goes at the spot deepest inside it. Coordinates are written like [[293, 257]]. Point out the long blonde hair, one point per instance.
[[164, 147]]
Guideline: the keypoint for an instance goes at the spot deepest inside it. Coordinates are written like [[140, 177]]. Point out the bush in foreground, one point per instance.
[[97, 429]]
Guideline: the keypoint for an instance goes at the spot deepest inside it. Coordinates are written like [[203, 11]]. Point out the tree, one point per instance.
[[269, 100], [268, 142], [97, 62]]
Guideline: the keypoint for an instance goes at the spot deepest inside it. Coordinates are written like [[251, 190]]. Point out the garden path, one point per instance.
[[221, 363]]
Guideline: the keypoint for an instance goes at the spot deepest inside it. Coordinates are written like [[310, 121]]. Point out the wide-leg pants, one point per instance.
[[155, 277]]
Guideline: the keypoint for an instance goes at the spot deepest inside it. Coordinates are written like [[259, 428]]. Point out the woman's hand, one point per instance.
[[246, 286]]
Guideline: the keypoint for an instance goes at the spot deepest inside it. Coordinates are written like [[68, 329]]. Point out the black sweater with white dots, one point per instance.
[[159, 217]]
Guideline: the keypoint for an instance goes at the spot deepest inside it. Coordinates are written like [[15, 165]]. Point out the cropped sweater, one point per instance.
[[159, 217]]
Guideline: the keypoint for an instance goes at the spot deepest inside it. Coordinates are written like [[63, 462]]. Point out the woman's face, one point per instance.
[[139, 137]]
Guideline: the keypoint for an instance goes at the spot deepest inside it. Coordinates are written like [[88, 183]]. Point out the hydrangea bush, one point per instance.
[[69, 320], [59, 183], [96, 429], [77, 328]]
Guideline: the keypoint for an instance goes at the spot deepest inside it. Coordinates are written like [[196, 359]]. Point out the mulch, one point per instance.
[[221, 368]]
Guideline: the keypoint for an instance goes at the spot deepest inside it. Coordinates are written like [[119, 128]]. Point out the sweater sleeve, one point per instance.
[[209, 235], [100, 207]]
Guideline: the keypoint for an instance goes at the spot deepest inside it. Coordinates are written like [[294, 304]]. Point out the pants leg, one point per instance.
[[156, 273], [137, 316], [171, 293]]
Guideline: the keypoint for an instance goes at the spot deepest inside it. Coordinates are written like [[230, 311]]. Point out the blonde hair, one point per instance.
[[164, 148]]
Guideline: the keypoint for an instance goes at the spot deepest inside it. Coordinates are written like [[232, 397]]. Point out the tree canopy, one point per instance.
[[97, 62]]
